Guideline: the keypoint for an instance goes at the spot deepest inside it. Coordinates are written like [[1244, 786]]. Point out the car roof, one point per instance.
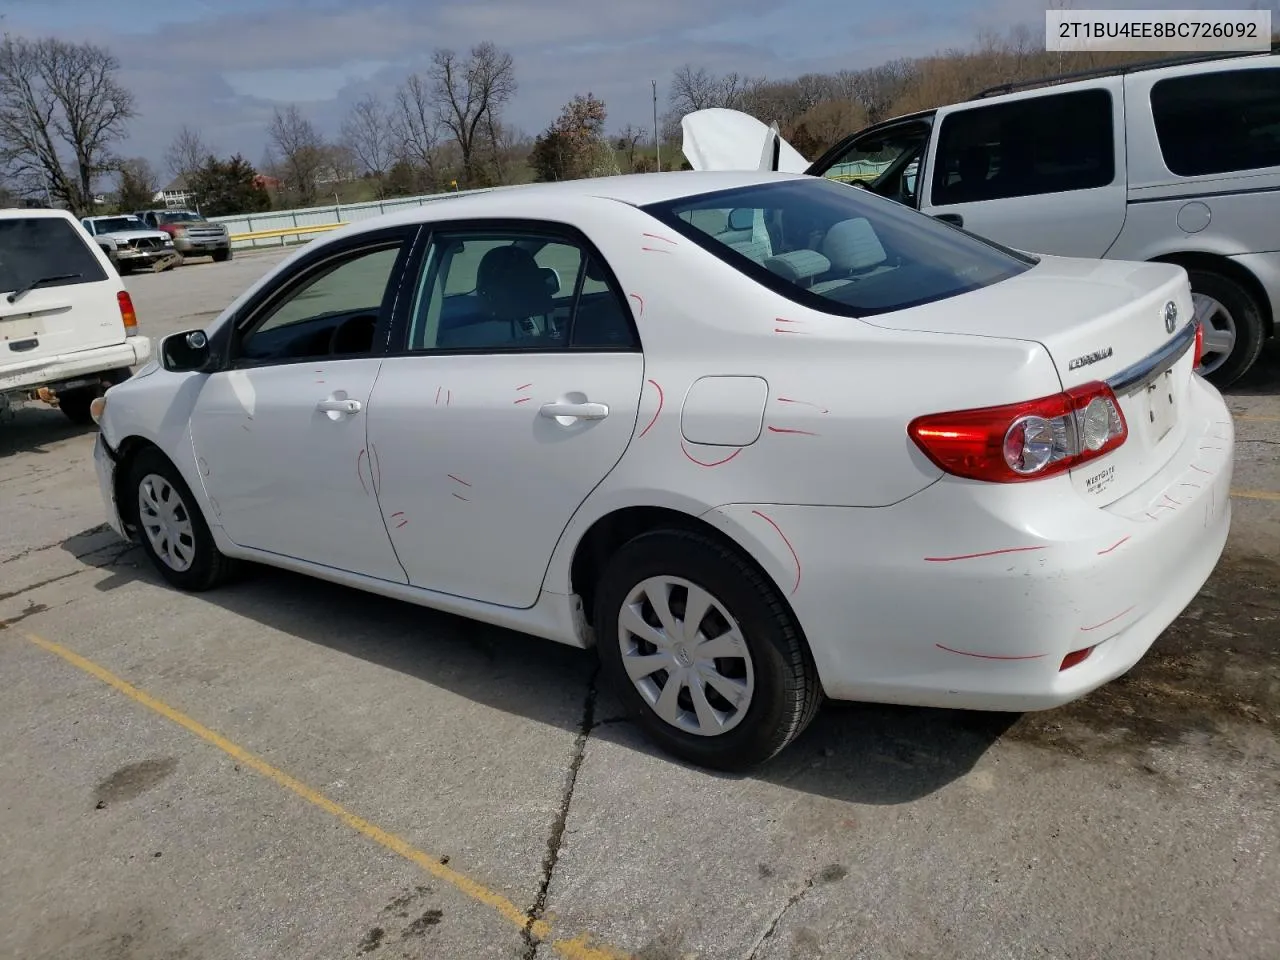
[[22, 213]]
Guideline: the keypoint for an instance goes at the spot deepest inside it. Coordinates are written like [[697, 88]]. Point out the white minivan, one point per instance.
[[1175, 160], [68, 330]]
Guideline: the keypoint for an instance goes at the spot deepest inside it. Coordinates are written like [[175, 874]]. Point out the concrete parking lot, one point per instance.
[[288, 769]]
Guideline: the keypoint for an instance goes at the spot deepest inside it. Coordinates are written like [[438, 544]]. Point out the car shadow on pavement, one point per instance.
[[852, 752], [34, 428]]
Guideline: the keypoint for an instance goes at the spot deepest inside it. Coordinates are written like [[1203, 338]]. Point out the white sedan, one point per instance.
[[758, 438]]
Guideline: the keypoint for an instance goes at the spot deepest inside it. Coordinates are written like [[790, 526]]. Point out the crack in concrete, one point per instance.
[[100, 528], [37, 586], [556, 837], [826, 875]]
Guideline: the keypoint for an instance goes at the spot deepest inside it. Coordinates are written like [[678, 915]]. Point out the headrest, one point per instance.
[[853, 245], [511, 286]]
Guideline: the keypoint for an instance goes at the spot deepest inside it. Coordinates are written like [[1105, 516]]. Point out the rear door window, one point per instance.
[[48, 249], [1043, 144], [1218, 122]]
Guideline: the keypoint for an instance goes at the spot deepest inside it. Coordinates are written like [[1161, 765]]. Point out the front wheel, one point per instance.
[[174, 533], [703, 651], [222, 256], [1233, 331]]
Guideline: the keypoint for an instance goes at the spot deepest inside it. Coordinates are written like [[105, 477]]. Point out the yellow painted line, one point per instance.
[[1256, 495], [578, 948]]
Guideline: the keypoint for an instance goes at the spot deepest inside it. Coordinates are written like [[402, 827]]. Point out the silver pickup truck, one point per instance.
[[128, 242]]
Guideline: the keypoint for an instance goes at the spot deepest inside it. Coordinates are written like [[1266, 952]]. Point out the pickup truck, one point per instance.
[[68, 329], [128, 242], [193, 235]]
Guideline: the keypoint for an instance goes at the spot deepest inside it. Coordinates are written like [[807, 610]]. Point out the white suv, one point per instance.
[[68, 330], [1176, 160]]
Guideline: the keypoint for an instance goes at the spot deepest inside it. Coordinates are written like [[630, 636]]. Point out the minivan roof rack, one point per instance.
[[1120, 69]]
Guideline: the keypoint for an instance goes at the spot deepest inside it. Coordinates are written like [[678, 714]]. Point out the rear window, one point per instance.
[[837, 248], [1218, 122], [41, 248]]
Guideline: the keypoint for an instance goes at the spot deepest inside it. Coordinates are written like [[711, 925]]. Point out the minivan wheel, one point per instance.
[[702, 650], [173, 530], [1232, 322]]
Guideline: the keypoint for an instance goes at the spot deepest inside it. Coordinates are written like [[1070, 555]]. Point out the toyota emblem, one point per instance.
[[1170, 316]]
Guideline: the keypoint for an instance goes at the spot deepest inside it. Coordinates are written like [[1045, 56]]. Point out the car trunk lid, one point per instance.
[[721, 139]]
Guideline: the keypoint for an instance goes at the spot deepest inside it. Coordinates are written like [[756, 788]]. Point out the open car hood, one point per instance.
[[722, 139]]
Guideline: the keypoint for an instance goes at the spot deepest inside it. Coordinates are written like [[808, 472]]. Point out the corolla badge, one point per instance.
[[1170, 316], [1089, 358]]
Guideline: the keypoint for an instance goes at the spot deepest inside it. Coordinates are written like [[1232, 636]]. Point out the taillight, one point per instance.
[[1199, 348], [1075, 658], [127, 313], [1024, 441]]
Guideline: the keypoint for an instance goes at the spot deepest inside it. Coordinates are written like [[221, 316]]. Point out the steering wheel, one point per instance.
[[364, 323]]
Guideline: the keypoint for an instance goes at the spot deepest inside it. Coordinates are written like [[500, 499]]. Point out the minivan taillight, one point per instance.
[[1024, 441], [127, 313]]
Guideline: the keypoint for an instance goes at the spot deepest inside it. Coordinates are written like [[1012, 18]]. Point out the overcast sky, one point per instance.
[[222, 65]]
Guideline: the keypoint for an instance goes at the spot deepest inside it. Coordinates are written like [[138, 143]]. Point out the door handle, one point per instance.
[[574, 411], [338, 406], [952, 218]]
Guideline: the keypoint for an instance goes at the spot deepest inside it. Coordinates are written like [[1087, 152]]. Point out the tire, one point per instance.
[[776, 674], [206, 566], [222, 256], [75, 404], [1222, 304]]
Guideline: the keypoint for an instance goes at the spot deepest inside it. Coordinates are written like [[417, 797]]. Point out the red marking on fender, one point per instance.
[[803, 433], [1176, 503], [438, 389], [987, 553], [400, 514], [785, 320], [654, 236], [360, 473], [462, 498], [1211, 448], [525, 387], [459, 479], [1188, 483], [319, 381], [448, 397], [639, 299], [702, 463], [661, 401], [785, 330], [1152, 515], [990, 656], [794, 556], [1202, 470], [401, 524], [653, 250], [1103, 553], [1097, 626], [245, 427], [804, 403], [524, 400]]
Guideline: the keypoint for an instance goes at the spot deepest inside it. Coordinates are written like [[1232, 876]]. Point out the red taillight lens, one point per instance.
[[1199, 348], [127, 313], [1024, 441], [1074, 658]]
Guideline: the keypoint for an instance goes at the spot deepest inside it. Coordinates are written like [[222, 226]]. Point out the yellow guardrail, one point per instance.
[[288, 231]]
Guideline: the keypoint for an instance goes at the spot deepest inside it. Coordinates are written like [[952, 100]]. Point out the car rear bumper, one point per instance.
[[50, 371], [970, 595]]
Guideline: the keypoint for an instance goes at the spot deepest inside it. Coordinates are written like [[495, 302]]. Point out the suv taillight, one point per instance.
[[127, 313], [1198, 353], [1024, 441]]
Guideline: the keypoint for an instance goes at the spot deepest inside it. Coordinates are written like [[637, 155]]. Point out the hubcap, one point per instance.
[[166, 522], [686, 656], [1219, 331]]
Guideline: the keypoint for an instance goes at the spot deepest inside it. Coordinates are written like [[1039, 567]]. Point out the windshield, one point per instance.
[[38, 247], [837, 248], [114, 224], [181, 216]]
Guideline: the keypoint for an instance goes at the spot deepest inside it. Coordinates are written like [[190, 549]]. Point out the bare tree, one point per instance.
[[187, 153], [415, 127], [136, 187], [61, 112], [626, 141], [301, 150], [469, 91], [366, 132]]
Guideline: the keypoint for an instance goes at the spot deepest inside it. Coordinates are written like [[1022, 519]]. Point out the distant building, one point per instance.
[[265, 182], [175, 194]]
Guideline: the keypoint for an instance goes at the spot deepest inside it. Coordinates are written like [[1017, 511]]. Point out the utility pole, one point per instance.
[[657, 144]]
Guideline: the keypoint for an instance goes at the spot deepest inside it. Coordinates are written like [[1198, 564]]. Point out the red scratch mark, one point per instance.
[[987, 553], [990, 656], [804, 403], [703, 463], [524, 387], [438, 389], [785, 330], [401, 524], [794, 556], [462, 498], [785, 320], [448, 397], [245, 427], [803, 433], [1202, 470], [319, 381], [654, 250], [377, 465], [654, 236], [1212, 448], [360, 472], [399, 514], [638, 299], [524, 400], [459, 479], [662, 398], [1124, 540], [1105, 622], [1152, 515], [1176, 503], [1188, 483]]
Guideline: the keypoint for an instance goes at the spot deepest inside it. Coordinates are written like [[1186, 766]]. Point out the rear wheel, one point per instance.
[[702, 650], [174, 533], [222, 256], [1233, 331], [75, 404]]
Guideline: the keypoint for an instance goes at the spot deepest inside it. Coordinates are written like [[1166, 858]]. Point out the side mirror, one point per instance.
[[185, 352]]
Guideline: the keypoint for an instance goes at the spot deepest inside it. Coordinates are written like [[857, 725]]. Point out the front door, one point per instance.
[[516, 393], [280, 435]]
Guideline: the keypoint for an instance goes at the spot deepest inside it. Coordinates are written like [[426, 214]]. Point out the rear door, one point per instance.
[[514, 393], [75, 309], [1041, 172]]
